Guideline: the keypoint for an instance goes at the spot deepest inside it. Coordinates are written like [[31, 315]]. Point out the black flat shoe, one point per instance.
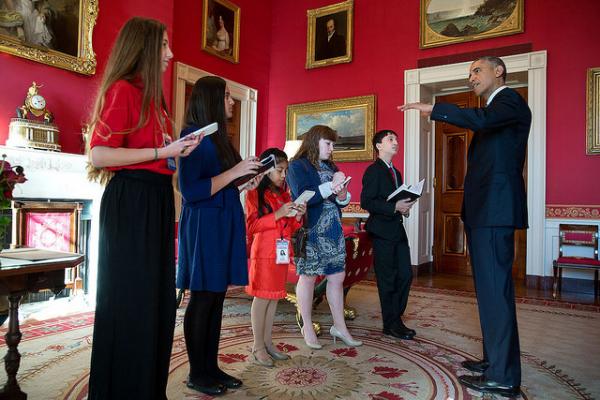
[[399, 333], [211, 388], [230, 382], [481, 384], [475, 366]]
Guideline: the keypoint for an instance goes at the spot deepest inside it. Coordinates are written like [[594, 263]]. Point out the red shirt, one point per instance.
[[121, 112]]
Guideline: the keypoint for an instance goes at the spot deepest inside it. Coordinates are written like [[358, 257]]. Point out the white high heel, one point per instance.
[[314, 346], [337, 334]]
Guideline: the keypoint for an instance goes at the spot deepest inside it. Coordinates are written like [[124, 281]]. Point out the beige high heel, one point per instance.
[[337, 334], [314, 346]]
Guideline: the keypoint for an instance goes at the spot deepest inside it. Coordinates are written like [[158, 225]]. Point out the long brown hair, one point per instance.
[[136, 54], [309, 148], [207, 105]]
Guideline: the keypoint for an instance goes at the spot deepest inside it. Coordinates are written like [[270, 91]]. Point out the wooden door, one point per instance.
[[450, 245], [451, 144]]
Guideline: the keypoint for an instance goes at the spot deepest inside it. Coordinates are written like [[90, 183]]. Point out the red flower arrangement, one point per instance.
[[9, 177]]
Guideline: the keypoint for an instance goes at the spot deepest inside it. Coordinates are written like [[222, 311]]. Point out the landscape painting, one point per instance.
[[353, 119], [451, 21]]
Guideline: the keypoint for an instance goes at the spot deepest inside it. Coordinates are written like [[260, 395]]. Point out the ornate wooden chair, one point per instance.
[[359, 260], [582, 242]]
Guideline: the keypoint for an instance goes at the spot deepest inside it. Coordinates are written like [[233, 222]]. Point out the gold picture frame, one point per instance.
[[219, 19], [52, 43], [322, 48], [593, 111], [440, 26], [353, 118]]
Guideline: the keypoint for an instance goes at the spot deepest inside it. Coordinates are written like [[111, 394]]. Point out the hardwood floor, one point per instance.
[[465, 283]]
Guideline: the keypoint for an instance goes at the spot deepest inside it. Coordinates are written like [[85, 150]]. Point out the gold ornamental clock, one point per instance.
[[33, 126]]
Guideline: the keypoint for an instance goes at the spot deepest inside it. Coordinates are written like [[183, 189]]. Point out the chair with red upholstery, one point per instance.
[[359, 260], [582, 241]]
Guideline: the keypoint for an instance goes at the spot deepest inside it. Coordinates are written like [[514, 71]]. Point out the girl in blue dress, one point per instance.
[[313, 169], [212, 234]]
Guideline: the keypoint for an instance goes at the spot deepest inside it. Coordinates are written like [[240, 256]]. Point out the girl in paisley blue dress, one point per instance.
[[313, 169]]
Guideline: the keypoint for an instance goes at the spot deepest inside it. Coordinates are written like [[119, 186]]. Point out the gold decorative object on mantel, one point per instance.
[[33, 126], [56, 33]]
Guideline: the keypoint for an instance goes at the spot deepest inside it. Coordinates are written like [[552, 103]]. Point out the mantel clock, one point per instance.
[[33, 126]]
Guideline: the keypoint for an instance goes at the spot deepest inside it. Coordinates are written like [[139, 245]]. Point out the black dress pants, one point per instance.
[[202, 330], [393, 269], [492, 255]]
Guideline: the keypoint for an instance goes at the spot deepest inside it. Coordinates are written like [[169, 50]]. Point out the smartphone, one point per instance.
[[267, 164], [207, 130]]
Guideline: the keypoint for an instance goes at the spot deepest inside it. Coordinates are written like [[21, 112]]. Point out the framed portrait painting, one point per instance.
[[52, 32], [593, 111], [446, 22], [329, 35], [221, 29], [353, 118]]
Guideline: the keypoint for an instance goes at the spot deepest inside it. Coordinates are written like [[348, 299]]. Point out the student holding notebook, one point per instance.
[[271, 218], [390, 243]]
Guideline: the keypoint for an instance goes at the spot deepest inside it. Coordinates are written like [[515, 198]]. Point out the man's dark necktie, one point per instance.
[[393, 176]]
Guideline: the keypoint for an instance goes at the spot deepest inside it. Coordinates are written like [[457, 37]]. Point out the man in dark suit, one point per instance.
[[332, 45], [494, 205], [391, 254]]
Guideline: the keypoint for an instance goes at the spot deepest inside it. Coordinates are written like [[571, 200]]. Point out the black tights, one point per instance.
[[202, 329]]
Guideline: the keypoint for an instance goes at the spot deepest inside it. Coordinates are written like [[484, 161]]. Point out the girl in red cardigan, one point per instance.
[[269, 229]]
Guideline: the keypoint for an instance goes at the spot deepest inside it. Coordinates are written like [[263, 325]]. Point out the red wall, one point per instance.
[[255, 58], [70, 95], [272, 59], [386, 44]]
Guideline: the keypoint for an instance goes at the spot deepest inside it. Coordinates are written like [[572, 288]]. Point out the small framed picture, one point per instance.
[[221, 29], [329, 35]]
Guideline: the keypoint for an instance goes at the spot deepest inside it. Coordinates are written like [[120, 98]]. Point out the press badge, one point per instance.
[[171, 164], [282, 249]]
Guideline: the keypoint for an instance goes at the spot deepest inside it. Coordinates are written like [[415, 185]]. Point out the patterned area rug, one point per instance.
[[560, 353]]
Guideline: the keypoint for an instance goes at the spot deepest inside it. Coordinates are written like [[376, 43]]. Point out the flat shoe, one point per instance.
[[212, 389], [263, 363], [277, 355], [230, 382]]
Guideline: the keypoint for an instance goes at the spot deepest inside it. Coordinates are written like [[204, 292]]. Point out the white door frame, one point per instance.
[[186, 74], [420, 85]]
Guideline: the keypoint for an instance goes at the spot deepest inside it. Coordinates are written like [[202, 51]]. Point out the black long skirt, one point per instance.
[[135, 304]]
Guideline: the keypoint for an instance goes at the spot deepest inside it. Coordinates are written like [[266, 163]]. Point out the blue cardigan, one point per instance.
[[301, 176]]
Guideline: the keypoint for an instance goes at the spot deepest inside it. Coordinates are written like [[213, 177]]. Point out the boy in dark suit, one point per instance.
[[494, 205], [390, 244]]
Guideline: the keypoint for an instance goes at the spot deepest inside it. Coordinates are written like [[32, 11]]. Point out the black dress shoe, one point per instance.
[[227, 380], [482, 384], [475, 366], [399, 333], [210, 387], [412, 331]]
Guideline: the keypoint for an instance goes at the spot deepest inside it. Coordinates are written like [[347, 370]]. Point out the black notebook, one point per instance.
[[407, 192], [268, 163]]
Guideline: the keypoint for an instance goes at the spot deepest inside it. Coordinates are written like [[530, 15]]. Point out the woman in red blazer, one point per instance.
[[269, 228]]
